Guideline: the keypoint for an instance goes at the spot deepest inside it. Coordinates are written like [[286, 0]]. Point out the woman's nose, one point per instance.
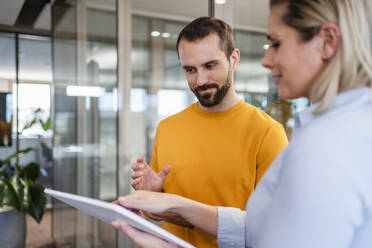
[[267, 60]]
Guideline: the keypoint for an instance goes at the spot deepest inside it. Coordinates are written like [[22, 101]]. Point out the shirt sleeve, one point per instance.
[[231, 227], [272, 144]]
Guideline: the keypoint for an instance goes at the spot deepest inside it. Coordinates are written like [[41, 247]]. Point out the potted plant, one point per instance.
[[43, 151], [19, 195]]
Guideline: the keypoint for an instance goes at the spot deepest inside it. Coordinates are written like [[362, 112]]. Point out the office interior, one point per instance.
[[103, 73]]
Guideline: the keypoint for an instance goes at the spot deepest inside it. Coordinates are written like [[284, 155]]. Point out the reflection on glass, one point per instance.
[[7, 102], [85, 140], [5, 115], [156, 69], [34, 101], [171, 101]]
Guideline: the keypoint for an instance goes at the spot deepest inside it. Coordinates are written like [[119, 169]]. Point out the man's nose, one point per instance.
[[202, 78]]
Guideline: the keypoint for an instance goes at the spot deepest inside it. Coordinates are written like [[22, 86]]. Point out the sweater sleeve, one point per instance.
[[272, 144], [154, 157]]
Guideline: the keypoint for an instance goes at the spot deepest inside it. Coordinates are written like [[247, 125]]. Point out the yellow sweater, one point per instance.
[[215, 158]]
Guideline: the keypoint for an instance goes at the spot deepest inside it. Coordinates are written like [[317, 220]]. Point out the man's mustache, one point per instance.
[[206, 86]]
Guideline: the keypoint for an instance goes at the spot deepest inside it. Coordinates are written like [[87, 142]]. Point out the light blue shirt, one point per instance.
[[318, 191]]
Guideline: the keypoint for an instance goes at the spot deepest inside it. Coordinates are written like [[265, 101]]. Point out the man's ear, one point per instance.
[[330, 35], [235, 57]]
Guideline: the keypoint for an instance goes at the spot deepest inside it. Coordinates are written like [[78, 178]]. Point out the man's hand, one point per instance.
[[142, 239], [171, 218], [145, 178]]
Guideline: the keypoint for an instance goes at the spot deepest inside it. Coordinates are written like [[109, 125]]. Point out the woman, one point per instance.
[[318, 192]]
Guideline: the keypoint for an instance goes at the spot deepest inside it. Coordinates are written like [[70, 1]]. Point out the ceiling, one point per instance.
[[247, 14], [26, 14], [36, 14]]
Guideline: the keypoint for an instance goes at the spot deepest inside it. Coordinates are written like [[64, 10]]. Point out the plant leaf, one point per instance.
[[29, 125], [31, 171], [48, 124], [2, 189], [38, 110], [17, 154], [21, 190], [9, 194], [45, 125], [38, 201]]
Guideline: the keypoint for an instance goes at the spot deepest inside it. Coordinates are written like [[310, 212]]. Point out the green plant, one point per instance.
[[18, 188], [45, 125]]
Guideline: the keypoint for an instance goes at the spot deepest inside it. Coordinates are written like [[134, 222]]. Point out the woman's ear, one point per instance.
[[330, 35]]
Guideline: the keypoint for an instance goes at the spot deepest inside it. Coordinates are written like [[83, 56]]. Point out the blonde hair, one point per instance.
[[351, 66]]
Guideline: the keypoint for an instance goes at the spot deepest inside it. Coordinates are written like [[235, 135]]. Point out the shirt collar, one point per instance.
[[349, 99]]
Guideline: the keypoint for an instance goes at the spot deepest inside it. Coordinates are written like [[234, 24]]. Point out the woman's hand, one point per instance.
[[151, 202], [142, 239], [158, 206], [174, 209]]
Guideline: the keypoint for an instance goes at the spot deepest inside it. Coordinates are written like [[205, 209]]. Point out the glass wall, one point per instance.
[[26, 106], [253, 82], [159, 86], [85, 107], [8, 103], [34, 104]]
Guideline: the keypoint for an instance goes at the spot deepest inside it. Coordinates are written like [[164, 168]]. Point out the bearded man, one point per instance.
[[216, 150]]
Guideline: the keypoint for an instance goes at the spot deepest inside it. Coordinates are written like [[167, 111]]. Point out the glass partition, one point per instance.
[[156, 70], [7, 93], [34, 112], [253, 82], [85, 106]]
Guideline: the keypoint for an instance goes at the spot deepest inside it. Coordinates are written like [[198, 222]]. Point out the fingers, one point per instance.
[[136, 174], [139, 164], [136, 183], [136, 200], [142, 239], [156, 217], [164, 172], [131, 232], [140, 159]]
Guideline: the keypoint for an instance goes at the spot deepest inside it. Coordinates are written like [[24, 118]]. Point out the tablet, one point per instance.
[[109, 212]]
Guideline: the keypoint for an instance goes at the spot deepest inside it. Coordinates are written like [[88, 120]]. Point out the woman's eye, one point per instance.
[[275, 44]]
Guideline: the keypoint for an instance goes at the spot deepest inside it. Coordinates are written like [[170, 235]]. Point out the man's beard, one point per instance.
[[210, 100]]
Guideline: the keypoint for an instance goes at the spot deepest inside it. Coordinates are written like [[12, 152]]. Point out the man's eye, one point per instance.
[[189, 70], [210, 66]]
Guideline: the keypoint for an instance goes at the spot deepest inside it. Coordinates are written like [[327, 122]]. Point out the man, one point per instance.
[[216, 150]]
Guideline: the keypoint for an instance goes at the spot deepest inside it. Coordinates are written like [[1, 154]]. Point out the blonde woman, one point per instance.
[[318, 192]]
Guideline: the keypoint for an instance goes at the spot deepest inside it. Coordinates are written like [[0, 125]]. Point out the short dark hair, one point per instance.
[[204, 26]]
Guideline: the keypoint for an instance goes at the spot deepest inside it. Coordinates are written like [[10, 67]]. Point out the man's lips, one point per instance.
[[207, 91]]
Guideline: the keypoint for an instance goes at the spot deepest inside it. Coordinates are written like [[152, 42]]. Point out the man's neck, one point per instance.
[[229, 101]]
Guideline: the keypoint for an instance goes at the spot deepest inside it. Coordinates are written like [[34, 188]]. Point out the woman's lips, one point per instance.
[[277, 78]]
